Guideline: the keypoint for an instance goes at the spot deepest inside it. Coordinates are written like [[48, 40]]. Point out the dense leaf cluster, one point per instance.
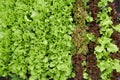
[[35, 39], [105, 43]]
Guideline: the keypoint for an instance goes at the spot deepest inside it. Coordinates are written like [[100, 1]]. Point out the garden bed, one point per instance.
[[60, 40]]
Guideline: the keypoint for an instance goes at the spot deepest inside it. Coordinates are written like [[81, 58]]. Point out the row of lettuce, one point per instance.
[[105, 44], [35, 39], [36, 42]]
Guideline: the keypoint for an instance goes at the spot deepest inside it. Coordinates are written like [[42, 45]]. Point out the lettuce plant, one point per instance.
[[105, 44], [35, 39]]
